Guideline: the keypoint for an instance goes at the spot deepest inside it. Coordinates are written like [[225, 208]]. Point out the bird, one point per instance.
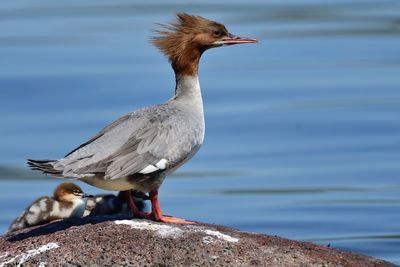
[[66, 203], [110, 204], [138, 150]]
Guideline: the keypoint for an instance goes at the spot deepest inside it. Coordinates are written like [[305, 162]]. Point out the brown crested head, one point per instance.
[[184, 41], [68, 191]]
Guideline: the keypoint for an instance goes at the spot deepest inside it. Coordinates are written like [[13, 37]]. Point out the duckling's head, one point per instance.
[[68, 192]]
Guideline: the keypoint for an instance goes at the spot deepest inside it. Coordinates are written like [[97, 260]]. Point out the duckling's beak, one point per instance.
[[85, 195], [237, 40]]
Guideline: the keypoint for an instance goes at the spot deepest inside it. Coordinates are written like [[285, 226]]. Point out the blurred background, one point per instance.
[[303, 128]]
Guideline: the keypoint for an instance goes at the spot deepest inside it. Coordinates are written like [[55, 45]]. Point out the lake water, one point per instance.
[[302, 129]]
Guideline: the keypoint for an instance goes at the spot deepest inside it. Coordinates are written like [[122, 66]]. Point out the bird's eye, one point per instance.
[[217, 32]]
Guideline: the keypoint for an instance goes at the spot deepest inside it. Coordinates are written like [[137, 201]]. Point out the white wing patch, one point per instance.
[[149, 169], [162, 164]]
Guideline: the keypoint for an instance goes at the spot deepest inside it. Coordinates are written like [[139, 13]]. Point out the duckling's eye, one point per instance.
[[217, 32]]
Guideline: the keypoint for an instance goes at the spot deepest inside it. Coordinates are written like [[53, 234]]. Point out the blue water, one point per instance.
[[302, 129]]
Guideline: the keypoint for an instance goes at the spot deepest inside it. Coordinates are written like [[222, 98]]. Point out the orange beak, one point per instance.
[[238, 40]]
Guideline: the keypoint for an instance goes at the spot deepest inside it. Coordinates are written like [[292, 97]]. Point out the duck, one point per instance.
[[110, 204], [66, 203], [140, 149]]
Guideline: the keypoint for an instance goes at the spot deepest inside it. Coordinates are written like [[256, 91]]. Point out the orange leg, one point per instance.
[[134, 210], [157, 214]]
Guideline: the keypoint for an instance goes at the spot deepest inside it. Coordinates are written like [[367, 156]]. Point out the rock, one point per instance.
[[123, 241]]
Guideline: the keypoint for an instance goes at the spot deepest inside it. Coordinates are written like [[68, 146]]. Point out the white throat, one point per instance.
[[188, 91]]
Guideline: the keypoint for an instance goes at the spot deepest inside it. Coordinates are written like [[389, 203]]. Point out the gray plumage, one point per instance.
[[117, 157]]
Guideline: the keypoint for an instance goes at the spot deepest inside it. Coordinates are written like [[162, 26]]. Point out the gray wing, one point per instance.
[[102, 132], [132, 143]]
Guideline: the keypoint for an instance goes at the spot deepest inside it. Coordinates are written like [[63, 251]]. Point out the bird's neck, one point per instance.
[[187, 86], [188, 91], [186, 67], [186, 61]]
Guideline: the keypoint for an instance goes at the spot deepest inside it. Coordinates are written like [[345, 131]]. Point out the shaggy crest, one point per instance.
[[178, 36]]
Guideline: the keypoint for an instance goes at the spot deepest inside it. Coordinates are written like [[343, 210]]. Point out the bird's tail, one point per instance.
[[46, 166]]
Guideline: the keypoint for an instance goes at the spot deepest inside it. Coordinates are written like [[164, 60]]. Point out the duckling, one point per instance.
[[110, 204], [66, 203]]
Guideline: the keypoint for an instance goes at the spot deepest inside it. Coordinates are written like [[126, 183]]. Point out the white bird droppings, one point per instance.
[[30, 253], [220, 235], [170, 231], [161, 229], [212, 235], [208, 240]]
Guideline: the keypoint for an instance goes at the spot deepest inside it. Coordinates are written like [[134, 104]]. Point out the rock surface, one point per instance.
[[123, 241]]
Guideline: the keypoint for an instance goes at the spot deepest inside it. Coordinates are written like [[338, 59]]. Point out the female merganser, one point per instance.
[[66, 203], [138, 150], [110, 204]]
